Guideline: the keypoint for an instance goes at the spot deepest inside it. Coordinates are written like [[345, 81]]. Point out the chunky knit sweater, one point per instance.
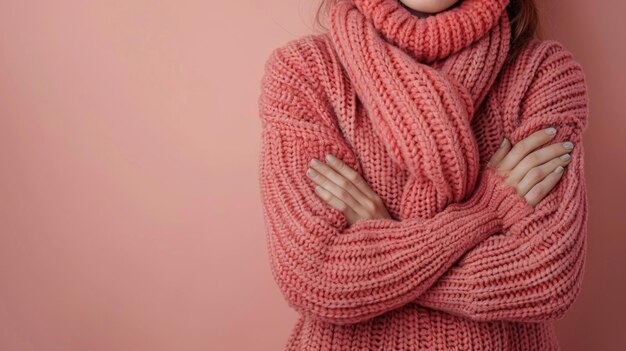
[[418, 106]]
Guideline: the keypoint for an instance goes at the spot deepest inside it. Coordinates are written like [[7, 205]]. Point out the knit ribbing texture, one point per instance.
[[417, 106]]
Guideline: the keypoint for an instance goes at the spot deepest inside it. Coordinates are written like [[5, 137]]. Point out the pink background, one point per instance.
[[129, 209]]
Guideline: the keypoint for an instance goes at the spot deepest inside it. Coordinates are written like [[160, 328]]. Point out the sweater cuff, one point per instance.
[[508, 204]]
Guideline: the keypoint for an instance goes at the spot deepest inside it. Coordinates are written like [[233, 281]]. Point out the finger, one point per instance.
[[539, 157], [346, 178], [524, 147], [541, 189], [354, 207], [342, 168], [334, 201], [539, 173], [336, 184], [351, 214], [497, 157], [368, 200]]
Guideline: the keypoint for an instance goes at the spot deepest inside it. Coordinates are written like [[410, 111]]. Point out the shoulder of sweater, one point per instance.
[[547, 74], [302, 52], [308, 70], [539, 58]]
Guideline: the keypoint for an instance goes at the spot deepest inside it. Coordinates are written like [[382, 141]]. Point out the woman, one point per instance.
[[451, 210]]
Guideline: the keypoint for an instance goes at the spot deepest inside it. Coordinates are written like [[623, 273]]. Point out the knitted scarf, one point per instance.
[[421, 83]]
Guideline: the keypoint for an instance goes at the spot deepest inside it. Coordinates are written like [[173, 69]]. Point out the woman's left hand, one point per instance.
[[344, 189]]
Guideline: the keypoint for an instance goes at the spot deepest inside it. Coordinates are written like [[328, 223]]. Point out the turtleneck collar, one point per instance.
[[438, 35]]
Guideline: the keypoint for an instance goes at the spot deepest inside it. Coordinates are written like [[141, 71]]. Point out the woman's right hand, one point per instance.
[[532, 172]]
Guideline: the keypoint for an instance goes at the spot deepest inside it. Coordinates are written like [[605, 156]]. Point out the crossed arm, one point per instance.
[[453, 262]]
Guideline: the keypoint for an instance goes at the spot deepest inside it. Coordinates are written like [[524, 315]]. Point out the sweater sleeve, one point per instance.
[[533, 271], [325, 269]]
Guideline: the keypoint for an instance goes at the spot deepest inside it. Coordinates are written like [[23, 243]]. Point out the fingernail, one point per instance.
[[568, 145], [559, 169], [502, 143], [565, 157], [550, 131], [314, 162], [330, 158]]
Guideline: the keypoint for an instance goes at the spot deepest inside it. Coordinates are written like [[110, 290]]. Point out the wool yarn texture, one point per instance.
[[417, 106]]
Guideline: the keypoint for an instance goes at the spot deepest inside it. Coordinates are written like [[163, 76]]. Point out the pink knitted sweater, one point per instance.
[[417, 106]]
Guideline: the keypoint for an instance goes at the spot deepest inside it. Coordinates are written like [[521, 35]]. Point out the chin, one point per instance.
[[429, 6]]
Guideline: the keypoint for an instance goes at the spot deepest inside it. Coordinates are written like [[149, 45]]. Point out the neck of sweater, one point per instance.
[[435, 36]]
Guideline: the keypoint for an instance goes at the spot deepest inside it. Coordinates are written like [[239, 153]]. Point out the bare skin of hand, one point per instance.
[[345, 189], [533, 172]]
